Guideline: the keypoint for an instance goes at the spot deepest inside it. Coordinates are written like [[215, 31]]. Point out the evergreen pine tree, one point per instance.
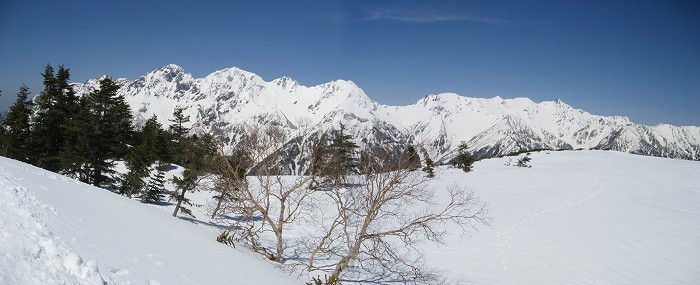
[[195, 153], [464, 159], [78, 156], [98, 135], [428, 169], [155, 189], [343, 156], [118, 120], [154, 139], [17, 127], [137, 164], [412, 158], [179, 135], [148, 145], [55, 105], [178, 124], [184, 184]]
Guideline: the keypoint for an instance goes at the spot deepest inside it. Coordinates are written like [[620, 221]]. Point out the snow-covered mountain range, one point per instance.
[[222, 102]]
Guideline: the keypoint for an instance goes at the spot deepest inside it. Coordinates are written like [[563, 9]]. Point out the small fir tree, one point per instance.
[[188, 182], [155, 190], [464, 159], [179, 132], [412, 158], [137, 164], [195, 153], [333, 158], [428, 169], [343, 160], [178, 124]]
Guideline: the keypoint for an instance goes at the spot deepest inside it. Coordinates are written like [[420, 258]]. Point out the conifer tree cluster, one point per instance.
[[60, 132], [84, 137]]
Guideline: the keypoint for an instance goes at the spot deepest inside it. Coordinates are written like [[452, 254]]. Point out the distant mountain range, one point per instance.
[[223, 101]]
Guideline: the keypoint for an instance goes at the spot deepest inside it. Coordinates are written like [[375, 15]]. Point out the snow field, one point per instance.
[[587, 217], [52, 224], [575, 217]]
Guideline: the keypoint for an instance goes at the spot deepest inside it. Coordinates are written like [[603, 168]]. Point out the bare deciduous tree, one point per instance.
[[369, 225], [384, 216], [270, 200]]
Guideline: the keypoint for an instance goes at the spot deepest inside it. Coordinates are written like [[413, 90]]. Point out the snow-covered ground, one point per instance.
[[586, 217], [55, 230], [577, 217]]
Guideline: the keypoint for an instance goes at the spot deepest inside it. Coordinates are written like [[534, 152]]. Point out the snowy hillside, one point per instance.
[[55, 230], [576, 217], [224, 100], [580, 217]]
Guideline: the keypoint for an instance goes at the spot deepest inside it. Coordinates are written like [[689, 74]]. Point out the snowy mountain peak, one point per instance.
[[233, 72], [172, 67], [286, 83], [226, 99]]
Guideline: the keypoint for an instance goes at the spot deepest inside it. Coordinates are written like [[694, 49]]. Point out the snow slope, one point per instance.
[[575, 217], [580, 217], [56, 230]]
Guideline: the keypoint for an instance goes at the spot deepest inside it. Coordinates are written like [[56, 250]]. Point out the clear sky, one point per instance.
[[635, 58]]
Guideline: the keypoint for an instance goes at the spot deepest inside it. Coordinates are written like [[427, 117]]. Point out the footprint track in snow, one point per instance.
[[503, 239]]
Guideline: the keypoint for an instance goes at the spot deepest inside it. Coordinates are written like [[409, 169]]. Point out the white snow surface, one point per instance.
[[575, 217], [580, 217], [56, 230]]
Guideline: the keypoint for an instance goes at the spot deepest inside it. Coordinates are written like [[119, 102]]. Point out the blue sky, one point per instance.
[[635, 58]]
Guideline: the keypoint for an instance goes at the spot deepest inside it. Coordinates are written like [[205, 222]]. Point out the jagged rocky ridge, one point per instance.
[[226, 100]]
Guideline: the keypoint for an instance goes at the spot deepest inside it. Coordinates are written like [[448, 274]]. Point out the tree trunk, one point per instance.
[[279, 247], [218, 206], [279, 229], [179, 202]]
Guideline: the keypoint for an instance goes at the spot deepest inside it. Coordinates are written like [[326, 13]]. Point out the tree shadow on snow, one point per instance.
[[200, 222], [241, 218]]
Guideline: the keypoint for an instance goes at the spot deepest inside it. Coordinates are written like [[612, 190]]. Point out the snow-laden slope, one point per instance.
[[579, 217], [575, 217], [223, 101], [55, 230]]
